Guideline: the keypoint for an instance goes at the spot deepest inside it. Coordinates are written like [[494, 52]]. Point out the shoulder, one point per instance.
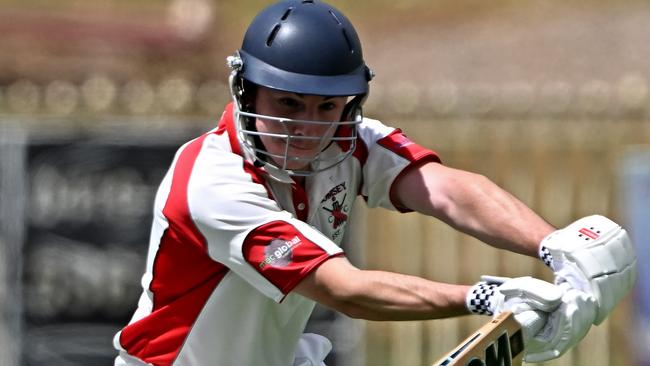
[[371, 130], [374, 126], [208, 162]]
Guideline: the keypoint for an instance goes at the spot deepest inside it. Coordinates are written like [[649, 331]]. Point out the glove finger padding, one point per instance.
[[565, 327], [595, 255], [537, 294]]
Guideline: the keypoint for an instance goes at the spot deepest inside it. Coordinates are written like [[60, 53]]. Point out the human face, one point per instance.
[[308, 139]]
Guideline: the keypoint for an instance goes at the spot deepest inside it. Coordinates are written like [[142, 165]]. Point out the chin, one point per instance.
[[291, 166], [295, 166]]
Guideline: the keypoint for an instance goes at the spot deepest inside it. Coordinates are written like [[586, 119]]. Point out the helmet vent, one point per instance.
[[274, 32], [286, 14], [347, 40], [335, 17], [307, 1]]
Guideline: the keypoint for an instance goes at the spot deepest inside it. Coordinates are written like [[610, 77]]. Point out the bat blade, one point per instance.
[[497, 343]]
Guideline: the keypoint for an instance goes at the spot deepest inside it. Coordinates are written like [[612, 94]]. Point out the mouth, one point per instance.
[[297, 145], [302, 147]]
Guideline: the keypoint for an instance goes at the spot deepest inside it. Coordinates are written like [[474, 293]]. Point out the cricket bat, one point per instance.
[[497, 343]]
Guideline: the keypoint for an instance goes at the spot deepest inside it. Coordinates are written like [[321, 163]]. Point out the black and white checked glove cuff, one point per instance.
[[545, 256], [480, 298]]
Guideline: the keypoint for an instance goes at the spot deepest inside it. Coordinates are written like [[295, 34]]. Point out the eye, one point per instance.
[[328, 106], [289, 102]]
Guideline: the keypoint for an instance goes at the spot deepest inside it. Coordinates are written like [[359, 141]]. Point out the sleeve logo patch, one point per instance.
[[401, 141], [279, 252]]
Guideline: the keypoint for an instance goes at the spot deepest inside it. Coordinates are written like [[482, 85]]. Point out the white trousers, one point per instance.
[[312, 350]]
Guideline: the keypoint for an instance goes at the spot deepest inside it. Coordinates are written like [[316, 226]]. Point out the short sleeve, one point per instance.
[[390, 154], [285, 252]]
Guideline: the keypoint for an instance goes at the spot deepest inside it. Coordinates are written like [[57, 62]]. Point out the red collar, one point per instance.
[[227, 124]]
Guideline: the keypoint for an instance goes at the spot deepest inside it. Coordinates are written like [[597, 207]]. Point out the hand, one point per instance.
[[565, 327], [529, 299], [594, 255]]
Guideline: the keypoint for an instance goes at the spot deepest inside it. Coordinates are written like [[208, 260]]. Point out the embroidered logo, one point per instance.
[[336, 206]]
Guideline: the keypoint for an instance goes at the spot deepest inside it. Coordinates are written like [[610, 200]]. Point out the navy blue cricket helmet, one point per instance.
[[304, 47]]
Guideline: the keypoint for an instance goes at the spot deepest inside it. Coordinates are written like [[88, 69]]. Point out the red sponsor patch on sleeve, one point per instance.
[[282, 254], [401, 145]]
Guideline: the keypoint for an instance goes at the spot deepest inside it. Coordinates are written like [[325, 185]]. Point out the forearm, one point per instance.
[[379, 295], [393, 296]]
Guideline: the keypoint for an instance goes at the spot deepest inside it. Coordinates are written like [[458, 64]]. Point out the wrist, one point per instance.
[[546, 256], [480, 298], [544, 253]]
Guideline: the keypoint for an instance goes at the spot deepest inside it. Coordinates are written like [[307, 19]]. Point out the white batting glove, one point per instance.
[[565, 327], [529, 299], [594, 255]]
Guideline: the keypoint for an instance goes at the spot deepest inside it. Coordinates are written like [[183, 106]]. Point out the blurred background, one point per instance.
[[549, 99]]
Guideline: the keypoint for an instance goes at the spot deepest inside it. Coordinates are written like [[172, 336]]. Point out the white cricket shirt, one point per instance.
[[228, 244]]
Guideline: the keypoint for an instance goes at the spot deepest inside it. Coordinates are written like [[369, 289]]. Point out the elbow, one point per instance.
[[348, 301], [343, 300], [350, 310], [354, 310], [340, 286]]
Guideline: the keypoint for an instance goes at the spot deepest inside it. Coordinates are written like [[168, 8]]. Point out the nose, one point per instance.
[[309, 113], [308, 129], [300, 129]]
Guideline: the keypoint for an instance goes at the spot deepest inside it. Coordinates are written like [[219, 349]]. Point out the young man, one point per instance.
[[249, 218]]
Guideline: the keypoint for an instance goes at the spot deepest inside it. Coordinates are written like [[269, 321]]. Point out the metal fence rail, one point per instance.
[[99, 94]]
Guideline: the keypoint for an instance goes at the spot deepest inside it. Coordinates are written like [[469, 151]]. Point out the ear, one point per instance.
[[352, 107]]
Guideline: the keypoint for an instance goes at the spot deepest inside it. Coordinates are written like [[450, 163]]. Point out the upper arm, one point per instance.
[[430, 188], [474, 205]]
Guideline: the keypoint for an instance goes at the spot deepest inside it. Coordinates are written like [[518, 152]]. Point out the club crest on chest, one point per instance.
[[336, 206]]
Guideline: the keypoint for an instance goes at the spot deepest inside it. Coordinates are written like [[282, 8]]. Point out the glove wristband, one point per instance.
[[546, 256], [480, 297]]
